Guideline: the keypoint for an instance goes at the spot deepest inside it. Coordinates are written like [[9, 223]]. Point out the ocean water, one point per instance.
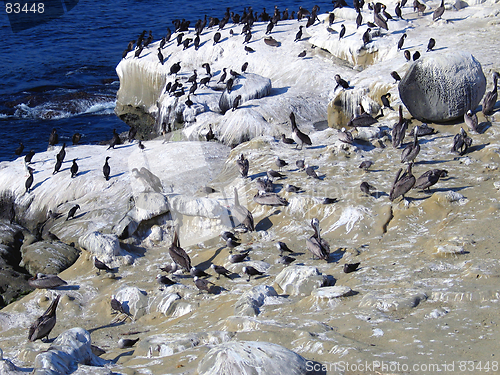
[[61, 74]]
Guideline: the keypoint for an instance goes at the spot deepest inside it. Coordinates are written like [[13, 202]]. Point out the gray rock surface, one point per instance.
[[442, 86], [149, 205], [300, 280], [250, 302], [251, 358], [49, 257], [249, 86]]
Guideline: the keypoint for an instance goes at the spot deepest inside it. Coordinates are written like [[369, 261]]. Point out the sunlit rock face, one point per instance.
[[249, 86], [443, 86]]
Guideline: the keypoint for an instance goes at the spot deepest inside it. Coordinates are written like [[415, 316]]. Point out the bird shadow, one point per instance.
[[278, 90], [264, 224], [124, 354], [483, 126], [110, 325], [315, 147], [477, 147], [39, 183], [68, 287], [117, 175]]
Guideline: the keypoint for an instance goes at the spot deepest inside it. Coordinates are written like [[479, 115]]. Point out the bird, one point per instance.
[[311, 172], [431, 44], [269, 27], [416, 56], [348, 268], [297, 135], [422, 130], [74, 169], [407, 55], [342, 31], [280, 163], [288, 141], [127, 343], [248, 36], [345, 136], [300, 164], [20, 149], [398, 11], [269, 199], [241, 213], [220, 270], [243, 165], [178, 254], [29, 180], [29, 156], [117, 306], [236, 102], [229, 84], [272, 174], [53, 138], [438, 13], [399, 129], [470, 119], [264, 184], [101, 266], [244, 67], [396, 76], [316, 245], [379, 20], [490, 98], [44, 324], [411, 151], [203, 284], [401, 41], [169, 267], [281, 246], [402, 184], [385, 100], [72, 212], [42, 281], [179, 39], [249, 49], [359, 20], [366, 187], [367, 37], [298, 36], [461, 142], [419, 7], [223, 76], [365, 164], [331, 18], [302, 54], [196, 272], [62, 153], [141, 145], [340, 82], [217, 37], [105, 169], [115, 140], [238, 258], [160, 56], [164, 280], [251, 271], [175, 68], [286, 260], [429, 178]]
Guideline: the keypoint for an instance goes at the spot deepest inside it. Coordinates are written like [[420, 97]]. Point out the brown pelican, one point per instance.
[[264, 184], [461, 142], [411, 151], [403, 184], [379, 20], [362, 120], [243, 165], [270, 199], [251, 271], [220, 270], [490, 98], [471, 120], [242, 214], [438, 12], [429, 178], [44, 324], [178, 254], [297, 135], [42, 281], [399, 129], [316, 245]]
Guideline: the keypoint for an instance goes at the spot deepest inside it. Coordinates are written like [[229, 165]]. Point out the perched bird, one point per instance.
[[407, 55], [272, 174], [431, 44], [411, 151], [20, 149], [311, 172], [53, 138], [342, 31], [288, 141], [300, 164], [398, 11], [438, 13], [297, 135], [401, 41], [229, 84], [280, 163], [196, 272], [251, 271], [127, 343], [264, 184], [396, 76], [141, 145], [220, 270], [316, 245], [207, 68], [178, 254], [29, 180], [490, 98], [160, 56], [175, 68], [345, 136], [348, 268], [422, 129], [115, 140], [74, 169], [416, 56], [72, 211], [402, 184], [281, 246], [366, 164], [418, 7], [223, 76], [169, 267], [340, 82], [106, 169], [367, 37], [470, 119], [203, 284], [359, 20], [244, 67], [117, 306], [243, 165], [62, 153], [385, 100], [238, 258], [236, 102], [217, 37], [249, 49], [285, 259], [461, 142], [42, 281], [210, 134], [399, 129], [44, 324], [302, 54], [29, 156], [101, 266], [241, 213], [164, 280], [429, 178], [298, 36]]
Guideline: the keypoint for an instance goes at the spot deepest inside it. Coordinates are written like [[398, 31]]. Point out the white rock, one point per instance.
[[251, 358], [250, 302], [149, 205], [135, 299], [395, 301], [300, 280], [249, 86], [105, 246], [330, 292]]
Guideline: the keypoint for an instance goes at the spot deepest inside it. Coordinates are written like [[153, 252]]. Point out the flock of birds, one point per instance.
[[317, 246]]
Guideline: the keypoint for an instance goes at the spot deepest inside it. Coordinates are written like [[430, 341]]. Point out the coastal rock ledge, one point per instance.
[[443, 86]]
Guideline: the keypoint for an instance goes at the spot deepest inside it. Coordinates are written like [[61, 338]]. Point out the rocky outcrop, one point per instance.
[[250, 302], [49, 257], [252, 358], [249, 86], [442, 86], [300, 280], [134, 300]]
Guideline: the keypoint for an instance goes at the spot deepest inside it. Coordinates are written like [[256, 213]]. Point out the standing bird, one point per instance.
[[45, 323], [345, 136], [220, 270], [342, 31], [490, 98], [127, 343], [316, 245], [251, 271], [438, 12], [175, 68], [298, 36], [241, 213], [62, 153], [348, 268], [53, 138], [117, 306], [207, 68], [115, 140], [29, 180], [401, 41], [403, 184], [57, 166], [297, 135], [367, 37], [160, 56], [29, 156], [340, 82], [385, 100], [398, 11], [217, 37], [105, 169], [178, 254], [236, 102], [429, 178], [244, 67], [203, 284], [411, 151], [20, 149], [396, 76], [248, 36], [407, 55], [359, 20], [366, 164], [281, 246], [72, 211], [416, 56], [229, 84], [365, 187], [418, 7], [243, 165], [280, 163], [470, 119], [399, 129], [461, 142], [74, 169], [210, 134], [223, 76], [101, 266], [431, 44]]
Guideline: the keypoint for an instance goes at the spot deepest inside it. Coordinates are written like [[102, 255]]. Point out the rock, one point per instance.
[[249, 86], [149, 205], [251, 358], [397, 300], [134, 300], [330, 292], [300, 280], [250, 302], [104, 246], [69, 349], [7, 367], [442, 86], [166, 304], [49, 257]]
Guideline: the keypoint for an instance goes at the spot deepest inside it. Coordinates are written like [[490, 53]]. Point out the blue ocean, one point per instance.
[[61, 74]]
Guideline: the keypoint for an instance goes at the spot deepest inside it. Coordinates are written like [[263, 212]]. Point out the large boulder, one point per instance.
[[300, 280], [49, 257], [249, 86], [442, 86]]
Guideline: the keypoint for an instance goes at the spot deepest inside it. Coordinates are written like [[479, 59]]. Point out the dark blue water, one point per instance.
[[61, 74]]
